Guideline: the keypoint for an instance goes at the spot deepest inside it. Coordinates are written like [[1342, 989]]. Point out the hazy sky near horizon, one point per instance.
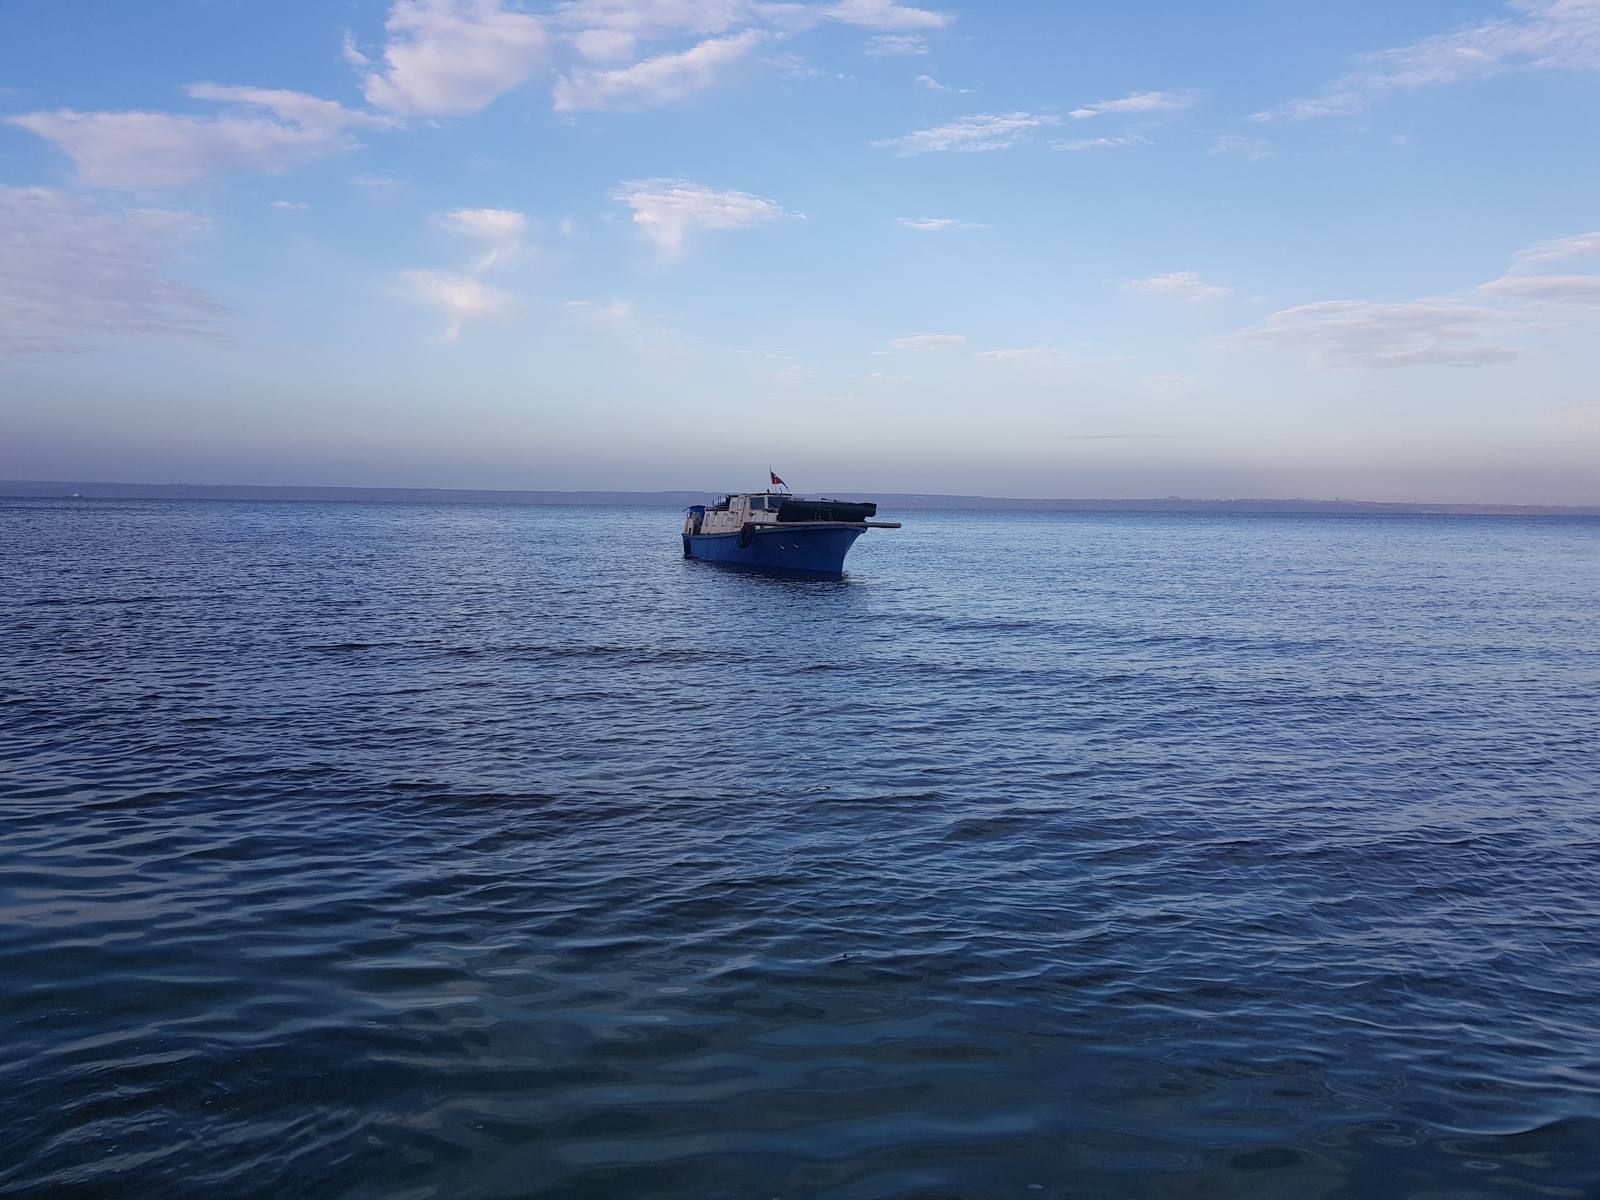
[[1013, 248]]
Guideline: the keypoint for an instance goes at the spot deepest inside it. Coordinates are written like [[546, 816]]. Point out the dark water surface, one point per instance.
[[360, 851]]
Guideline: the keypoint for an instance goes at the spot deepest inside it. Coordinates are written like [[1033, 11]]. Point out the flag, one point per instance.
[[776, 482]]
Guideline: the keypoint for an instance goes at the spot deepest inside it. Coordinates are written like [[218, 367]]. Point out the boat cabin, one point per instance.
[[731, 513]]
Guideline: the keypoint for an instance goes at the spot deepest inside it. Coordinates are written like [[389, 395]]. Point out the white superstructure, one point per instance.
[[732, 513]]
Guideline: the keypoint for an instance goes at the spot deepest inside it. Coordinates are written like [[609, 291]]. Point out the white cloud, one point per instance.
[[1566, 290], [449, 56], [309, 111], [984, 131], [1360, 333], [1131, 139], [1547, 289], [659, 80], [604, 45], [1584, 245], [70, 271], [499, 229], [933, 85], [609, 31], [466, 298], [453, 56], [461, 297], [611, 27], [1187, 284], [936, 224], [1432, 332], [929, 341], [615, 34], [168, 150], [885, 14], [887, 45], [1014, 355], [1550, 34], [1139, 103], [666, 209], [1230, 143]]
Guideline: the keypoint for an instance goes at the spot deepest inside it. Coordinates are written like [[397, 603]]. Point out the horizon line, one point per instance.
[[42, 489]]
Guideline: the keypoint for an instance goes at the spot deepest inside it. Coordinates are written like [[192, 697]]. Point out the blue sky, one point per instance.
[[1133, 249]]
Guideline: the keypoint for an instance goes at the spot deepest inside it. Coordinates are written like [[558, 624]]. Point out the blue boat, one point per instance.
[[774, 531]]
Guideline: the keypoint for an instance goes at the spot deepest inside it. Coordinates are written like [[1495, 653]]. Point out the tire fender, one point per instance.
[[747, 534]]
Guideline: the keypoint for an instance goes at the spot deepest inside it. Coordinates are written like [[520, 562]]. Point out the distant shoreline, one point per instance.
[[14, 489]]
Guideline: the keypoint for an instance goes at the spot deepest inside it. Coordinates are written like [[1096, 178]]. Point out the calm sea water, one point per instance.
[[366, 851]]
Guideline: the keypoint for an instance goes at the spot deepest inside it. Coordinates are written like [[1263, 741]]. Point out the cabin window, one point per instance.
[[758, 503]]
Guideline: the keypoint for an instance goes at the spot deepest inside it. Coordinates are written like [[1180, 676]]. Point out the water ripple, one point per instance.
[[406, 852]]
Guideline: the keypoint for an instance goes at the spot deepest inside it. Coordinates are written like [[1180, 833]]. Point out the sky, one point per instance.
[[1143, 248]]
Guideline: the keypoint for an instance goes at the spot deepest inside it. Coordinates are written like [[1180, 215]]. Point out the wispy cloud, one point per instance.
[[73, 271], [1131, 139], [887, 45], [1581, 290], [1584, 245], [138, 150], [458, 56], [1544, 35], [984, 131], [310, 112], [667, 209], [452, 56], [1186, 284], [655, 81], [1138, 104], [1435, 332], [936, 224], [933, 85], [462, 298], [885, 14], [499, 229], [1015, 355], [611, 31], [1232, 143], [929, 341], [632, 69], [1564, 290], [616, 315], [1360, 333]]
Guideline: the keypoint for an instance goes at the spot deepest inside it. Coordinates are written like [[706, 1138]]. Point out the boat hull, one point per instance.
[[807, 549]]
